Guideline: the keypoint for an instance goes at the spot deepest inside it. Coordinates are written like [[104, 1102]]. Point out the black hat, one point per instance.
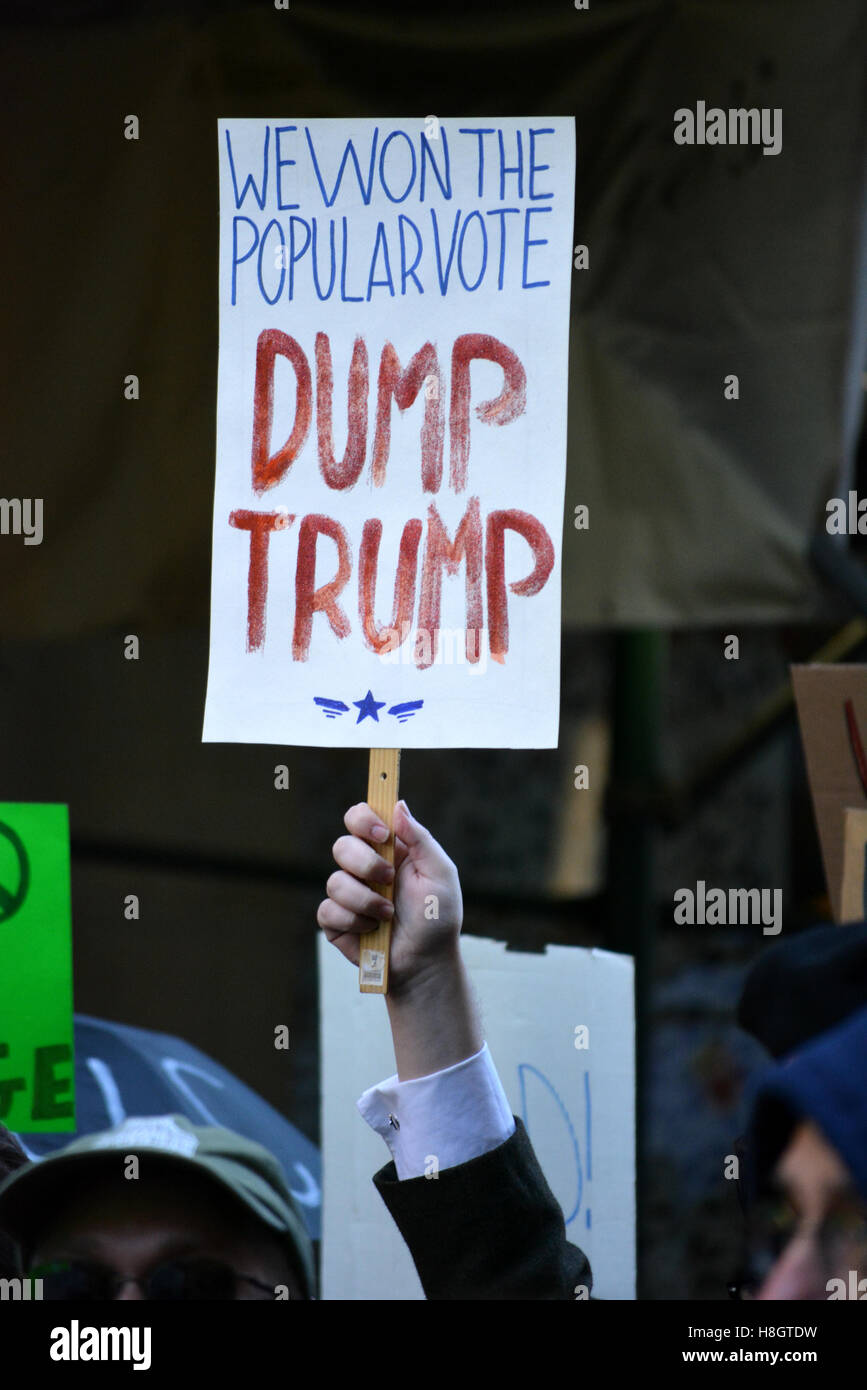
[[805, 985]]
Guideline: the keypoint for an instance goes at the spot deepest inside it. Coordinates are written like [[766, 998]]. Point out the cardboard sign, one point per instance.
[[832, 712], [36, 1055], [391, 431], [560, 1027], [853, 906]]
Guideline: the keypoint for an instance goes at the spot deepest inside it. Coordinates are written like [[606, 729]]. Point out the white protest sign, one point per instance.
[[560, 1027], [391, 431]]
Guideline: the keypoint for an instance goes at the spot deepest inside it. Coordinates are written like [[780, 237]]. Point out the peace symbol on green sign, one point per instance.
[[11, 899]]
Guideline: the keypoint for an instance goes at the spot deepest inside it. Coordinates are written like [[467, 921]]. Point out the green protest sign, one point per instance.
[[37, 1079]]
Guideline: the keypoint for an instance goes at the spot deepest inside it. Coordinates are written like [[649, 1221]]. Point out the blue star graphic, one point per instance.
[[368, 706]]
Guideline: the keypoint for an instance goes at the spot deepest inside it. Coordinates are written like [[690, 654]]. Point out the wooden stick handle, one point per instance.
[[383, 778]]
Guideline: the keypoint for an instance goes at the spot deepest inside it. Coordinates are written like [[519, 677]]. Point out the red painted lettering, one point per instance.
[[260, 525], [422, 371], [269, 468], [439, 551], [310, 600], [344, 474], [510, 403], [377, 638], [537, 538]]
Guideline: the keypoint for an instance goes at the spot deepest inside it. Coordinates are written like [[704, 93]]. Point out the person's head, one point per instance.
[[813, 1224], [808, 1220], [12, 1157], [159, 1208], [803, 985]]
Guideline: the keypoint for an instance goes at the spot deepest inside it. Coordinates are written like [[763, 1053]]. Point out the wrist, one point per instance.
[[434, 1021], [430, 980]]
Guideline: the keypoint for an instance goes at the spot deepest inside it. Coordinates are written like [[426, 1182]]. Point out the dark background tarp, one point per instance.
[[704, 261]]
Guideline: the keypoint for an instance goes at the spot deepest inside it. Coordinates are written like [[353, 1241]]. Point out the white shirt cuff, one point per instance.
[[441, 1120]]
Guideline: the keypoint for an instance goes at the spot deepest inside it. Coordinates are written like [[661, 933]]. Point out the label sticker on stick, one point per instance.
[[37, 1077], [372, 967]]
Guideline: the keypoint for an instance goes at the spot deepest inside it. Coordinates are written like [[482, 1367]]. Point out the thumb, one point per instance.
[[421, 847]]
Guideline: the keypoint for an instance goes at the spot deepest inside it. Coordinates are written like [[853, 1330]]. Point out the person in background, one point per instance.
[[12, 1157], [158, 1208], [803, 985], [797, 989], [206, 1214], [488, 1227], [807, 1213]]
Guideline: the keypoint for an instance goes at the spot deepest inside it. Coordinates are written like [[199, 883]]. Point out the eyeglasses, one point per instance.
[[840, 1237], [174, 1281]]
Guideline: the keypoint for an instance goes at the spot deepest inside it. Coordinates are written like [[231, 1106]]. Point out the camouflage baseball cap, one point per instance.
[[241, 1167]]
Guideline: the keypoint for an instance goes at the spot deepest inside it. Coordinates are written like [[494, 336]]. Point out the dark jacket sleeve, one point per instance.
[[487, 1229]]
